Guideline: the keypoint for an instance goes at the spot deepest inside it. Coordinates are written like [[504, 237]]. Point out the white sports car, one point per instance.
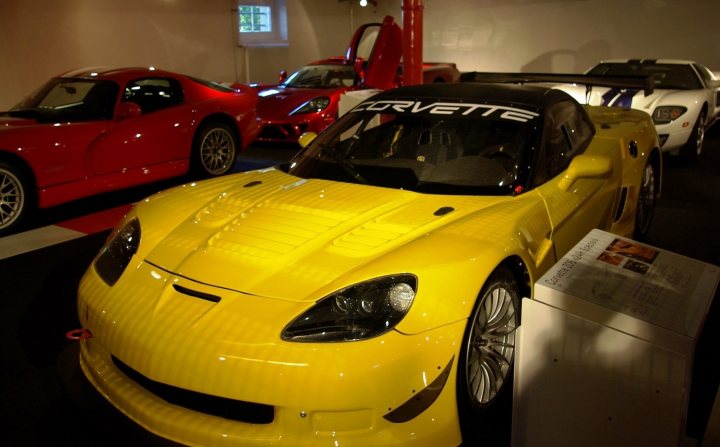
[[684, 104]]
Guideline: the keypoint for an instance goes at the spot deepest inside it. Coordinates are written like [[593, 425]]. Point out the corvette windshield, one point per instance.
[[70, 100], [439, 154], [665, 76], [322, 76]]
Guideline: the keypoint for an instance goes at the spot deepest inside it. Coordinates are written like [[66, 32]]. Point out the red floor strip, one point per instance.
[[96, 222]]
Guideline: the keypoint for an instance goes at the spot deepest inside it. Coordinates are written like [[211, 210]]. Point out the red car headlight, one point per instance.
[[313, 106]]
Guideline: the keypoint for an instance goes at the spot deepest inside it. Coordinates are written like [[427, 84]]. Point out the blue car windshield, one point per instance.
[[424, 152], [322, 76]]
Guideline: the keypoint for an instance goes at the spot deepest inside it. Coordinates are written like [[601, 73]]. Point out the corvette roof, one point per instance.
[[530, 95], [647, 61]]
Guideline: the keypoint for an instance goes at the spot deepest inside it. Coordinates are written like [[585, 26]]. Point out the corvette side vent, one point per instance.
[[621, 204]]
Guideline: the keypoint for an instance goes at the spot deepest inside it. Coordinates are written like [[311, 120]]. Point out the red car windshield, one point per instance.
[[70, 100], [322, 76]]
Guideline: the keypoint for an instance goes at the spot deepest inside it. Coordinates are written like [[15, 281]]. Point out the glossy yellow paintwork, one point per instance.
[[270, 245]]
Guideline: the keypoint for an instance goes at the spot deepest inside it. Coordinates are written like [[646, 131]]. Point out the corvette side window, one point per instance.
[[567, 133], [153, 94]]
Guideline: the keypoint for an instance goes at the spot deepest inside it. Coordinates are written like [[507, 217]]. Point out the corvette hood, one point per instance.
[[635, 99], [276, 235], [278, 103]]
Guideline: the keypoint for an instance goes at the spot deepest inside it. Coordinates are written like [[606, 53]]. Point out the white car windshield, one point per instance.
[[665, 76]]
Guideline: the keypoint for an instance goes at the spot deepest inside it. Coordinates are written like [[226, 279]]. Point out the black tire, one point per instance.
[[485, 369], [214, 151], [692, 149], [16, 197], [646, 201]]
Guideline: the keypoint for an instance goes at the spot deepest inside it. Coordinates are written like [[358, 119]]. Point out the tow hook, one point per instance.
[[78, 334]]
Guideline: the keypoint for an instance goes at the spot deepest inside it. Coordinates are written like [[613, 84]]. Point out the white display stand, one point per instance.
[[605, 349], [350, 99]]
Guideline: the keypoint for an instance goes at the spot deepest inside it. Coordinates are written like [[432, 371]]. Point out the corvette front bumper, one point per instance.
[[334, 394]]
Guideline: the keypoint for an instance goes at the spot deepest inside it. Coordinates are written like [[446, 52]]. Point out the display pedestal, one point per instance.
[[605, 350]]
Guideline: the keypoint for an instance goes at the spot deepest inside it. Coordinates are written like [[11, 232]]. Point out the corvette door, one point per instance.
[[380, 44], [579, 189], [162, 133]]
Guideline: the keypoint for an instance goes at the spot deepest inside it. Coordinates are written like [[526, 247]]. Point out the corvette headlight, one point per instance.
[[666, 114], [312, 106], [358, 312], [115, 256]]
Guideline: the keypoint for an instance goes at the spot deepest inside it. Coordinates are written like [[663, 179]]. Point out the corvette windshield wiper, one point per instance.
[[344, 163]]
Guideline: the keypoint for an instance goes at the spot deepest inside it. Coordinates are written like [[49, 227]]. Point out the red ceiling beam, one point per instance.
[[412, 41]]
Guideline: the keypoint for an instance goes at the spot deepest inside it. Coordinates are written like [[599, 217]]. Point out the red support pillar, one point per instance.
[[412, 41]]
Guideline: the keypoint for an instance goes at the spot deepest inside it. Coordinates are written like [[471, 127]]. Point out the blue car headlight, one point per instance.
[[115, 255], [313, 106], [358, 312], [666, 114]]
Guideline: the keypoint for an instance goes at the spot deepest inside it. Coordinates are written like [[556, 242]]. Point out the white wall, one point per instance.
[[41, 38]]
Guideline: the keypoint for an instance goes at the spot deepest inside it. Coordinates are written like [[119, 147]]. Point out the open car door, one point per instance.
[[380, 44]]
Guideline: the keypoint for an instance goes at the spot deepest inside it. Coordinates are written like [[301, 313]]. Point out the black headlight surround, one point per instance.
[[358, 312], [115, 255]]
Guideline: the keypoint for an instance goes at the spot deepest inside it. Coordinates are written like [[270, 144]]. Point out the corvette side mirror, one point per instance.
[[282, 77], [306, 139], [127, 110], [585, 166]]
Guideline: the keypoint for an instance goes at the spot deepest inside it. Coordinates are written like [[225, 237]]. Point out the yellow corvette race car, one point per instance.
[[367, 292]]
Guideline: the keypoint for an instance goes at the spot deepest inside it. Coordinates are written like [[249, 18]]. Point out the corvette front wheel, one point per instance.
[[214, 150], [487, 356], [15, 199], [647, 197]]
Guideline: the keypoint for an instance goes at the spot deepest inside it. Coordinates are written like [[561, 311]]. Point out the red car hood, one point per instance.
[[8, 121], [278, 106]]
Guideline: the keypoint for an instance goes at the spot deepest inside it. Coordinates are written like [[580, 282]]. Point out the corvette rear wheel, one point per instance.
[[215, 150], [487, 359], [692, 149], [14, 196], [647, 198]]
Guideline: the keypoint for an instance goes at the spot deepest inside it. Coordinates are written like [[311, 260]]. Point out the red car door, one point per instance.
[[380, 44], [162, 133]]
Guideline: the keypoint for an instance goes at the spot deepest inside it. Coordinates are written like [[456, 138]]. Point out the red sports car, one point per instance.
[[96, 130], [308, 100]]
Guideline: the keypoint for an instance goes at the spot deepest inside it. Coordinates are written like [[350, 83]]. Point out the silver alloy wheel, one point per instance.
[[700, 133], [217, 151], [491, 345], [646, 200], [12, 198]]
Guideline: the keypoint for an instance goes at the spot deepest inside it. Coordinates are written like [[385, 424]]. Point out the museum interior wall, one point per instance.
[[41, 39]]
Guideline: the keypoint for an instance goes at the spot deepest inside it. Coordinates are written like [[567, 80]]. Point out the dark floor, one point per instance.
[[45, 401]]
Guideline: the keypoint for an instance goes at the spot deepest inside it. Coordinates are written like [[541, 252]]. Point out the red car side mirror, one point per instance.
[[360, 71], [283, 77], [126, 110]]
